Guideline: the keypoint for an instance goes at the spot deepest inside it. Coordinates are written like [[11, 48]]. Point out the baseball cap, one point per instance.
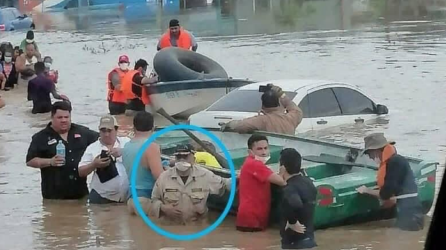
[[124, 59], [108, 122], [184, 149]]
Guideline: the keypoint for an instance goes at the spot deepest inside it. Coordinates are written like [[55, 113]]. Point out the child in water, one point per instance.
[[53, 75]]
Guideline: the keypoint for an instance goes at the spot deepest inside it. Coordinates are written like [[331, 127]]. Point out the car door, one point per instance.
[[306, 124], [16, 22], [355, 107], [9, 20], [22, 22], [323, 109]]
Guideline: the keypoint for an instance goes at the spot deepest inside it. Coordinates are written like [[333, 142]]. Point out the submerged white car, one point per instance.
[[324, 104]]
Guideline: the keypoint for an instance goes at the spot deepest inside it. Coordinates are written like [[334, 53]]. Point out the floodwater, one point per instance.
[[401, 63]]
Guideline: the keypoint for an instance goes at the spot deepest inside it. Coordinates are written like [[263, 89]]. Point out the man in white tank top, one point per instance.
[[25, 65]]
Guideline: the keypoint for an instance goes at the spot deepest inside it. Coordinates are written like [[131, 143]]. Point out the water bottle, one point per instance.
[[60, 149]]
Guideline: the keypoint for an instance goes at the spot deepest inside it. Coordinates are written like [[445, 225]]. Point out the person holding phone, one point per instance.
[[103, 158], [272, 117]]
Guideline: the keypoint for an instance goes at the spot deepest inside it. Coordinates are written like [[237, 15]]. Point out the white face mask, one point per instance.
[[48, 65], [8, 59], [262, 159], [124, 66], [183, 166]]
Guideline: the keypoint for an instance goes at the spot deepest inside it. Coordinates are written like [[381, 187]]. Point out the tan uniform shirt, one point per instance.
[[274, 120], [191, 196]]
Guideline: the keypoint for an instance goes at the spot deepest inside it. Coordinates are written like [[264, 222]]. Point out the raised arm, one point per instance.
[[247, 125], [294, 113]]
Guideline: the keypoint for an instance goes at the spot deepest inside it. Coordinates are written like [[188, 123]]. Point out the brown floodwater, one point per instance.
[[400, 63]]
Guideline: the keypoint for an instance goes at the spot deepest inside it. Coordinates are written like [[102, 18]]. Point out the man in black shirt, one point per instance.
[[298, 204], [396, 182], [60, 178]]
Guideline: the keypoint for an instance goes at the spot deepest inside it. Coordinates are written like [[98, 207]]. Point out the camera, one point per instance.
[[264, 88]]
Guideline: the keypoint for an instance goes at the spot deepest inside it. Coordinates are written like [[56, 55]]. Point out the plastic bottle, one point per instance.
[[60, 149]]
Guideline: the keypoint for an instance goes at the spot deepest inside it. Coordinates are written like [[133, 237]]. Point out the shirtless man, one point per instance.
[[25, 65]]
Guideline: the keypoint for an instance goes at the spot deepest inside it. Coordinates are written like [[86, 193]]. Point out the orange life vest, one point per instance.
[[127, 84], [183, 41], [115, 95], [389, 151]]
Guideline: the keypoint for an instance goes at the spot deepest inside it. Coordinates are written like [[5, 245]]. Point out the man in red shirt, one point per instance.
[[255, 188]]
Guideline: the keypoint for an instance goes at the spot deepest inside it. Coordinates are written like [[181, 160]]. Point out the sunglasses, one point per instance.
[[104, 130]]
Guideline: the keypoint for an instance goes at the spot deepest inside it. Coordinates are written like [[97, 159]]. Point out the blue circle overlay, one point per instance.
[[169, 235]]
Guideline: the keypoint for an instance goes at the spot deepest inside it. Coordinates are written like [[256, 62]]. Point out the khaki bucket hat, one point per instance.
[[375, 141]]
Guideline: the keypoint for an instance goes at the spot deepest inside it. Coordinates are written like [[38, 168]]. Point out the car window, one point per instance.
[[322, 103], [353, 103], [16, 13], [242, 101], [7, 15]]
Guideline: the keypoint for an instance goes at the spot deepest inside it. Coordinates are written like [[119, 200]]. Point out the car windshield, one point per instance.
[[16, 12], [242, 101]]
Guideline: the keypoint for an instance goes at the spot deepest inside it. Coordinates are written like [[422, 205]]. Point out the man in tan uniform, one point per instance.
[[180, 193], [273, 117]]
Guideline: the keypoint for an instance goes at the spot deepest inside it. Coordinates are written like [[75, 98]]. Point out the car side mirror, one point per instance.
[[381, 109]]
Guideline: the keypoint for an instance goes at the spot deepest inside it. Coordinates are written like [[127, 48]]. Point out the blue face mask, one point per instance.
[[48, 65]]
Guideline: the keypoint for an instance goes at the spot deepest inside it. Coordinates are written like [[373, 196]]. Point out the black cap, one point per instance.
[[174, 23], [184, 149], [30, 35]]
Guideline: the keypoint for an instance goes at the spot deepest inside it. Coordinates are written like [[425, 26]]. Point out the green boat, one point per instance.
[[335, 177]]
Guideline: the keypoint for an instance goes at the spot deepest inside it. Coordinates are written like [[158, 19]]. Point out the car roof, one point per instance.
[[295, 84]]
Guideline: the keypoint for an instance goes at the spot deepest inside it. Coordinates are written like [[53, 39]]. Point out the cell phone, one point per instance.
[[104, 154], [264, 88]]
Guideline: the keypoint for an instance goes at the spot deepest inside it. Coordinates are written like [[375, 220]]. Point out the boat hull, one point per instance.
[[345, 205], [184, 98]]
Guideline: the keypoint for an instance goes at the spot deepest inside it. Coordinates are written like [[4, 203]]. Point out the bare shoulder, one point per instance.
[[153, 148]]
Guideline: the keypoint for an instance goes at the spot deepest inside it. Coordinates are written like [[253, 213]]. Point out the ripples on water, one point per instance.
[[401, 64]]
